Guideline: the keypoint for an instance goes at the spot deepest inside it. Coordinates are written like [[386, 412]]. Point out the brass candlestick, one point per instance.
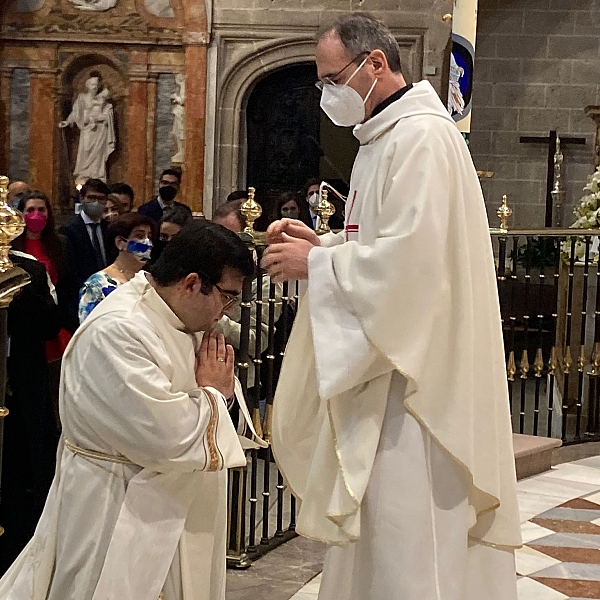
[[324, 210], [251, 210], [504, 213]]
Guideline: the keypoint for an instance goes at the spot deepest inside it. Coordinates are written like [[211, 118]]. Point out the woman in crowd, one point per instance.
[[41, 240], [132, 235], [173, 220], [113, 208], [288, 206]]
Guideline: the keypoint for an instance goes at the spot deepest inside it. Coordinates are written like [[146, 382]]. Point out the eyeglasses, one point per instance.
[[332, 79], [231, 299]]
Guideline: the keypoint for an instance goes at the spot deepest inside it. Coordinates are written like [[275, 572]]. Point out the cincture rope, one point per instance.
[[95, 455]]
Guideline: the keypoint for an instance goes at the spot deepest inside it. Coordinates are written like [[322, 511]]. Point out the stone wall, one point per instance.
[[537, 67], [19, 126]]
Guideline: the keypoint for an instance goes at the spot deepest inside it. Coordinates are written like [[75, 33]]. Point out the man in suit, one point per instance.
[[168, 188], [87, 251], [310, 193]]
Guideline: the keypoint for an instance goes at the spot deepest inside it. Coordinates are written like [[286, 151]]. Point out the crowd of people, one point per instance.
[[74, 267]]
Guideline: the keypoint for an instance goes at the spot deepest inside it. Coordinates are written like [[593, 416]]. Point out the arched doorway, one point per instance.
[[289, 139]]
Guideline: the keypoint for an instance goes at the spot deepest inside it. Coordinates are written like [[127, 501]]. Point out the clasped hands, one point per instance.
[[214, 364], [290, 242]]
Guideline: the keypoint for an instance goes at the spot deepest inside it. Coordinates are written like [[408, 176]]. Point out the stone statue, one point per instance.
[[456, 102], [93, 115], [178, 110], [94, 4]]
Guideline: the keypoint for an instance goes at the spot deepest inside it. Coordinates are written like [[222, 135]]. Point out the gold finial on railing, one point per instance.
[[538, 363], [324, 210], [524, 365], [595, 360], [568, 362], [250, 210], [268, 424], [504, 213], [582, 361], [511, 366], [12, 225], [553, 365]]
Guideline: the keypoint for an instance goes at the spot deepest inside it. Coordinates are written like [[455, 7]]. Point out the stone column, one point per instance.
[[44, 127], [5, 85], [136, 115], [150, 137], [195, 119]]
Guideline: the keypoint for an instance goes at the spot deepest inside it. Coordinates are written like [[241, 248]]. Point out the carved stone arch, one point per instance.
[[244, 63]]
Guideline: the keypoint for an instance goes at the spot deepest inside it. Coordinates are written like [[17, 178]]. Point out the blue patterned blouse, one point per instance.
[[94, 290]]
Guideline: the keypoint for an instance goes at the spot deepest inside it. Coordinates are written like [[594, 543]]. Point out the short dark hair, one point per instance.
[[121, 188], [231, 208], [361, 33], [176, 214], [123, 225], [94, 185], [172, 173], [308, 184], [237, 195], [204, 248]]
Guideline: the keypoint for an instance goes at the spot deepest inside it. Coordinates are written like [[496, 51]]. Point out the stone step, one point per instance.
[[533, 454]]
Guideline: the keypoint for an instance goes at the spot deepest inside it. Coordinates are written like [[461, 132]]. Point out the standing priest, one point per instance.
[[391, 418], [137, 509]]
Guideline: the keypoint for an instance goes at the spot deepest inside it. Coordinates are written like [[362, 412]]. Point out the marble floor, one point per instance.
[[560, 513]]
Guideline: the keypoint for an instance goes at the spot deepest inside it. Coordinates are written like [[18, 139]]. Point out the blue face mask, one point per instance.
[[141, 250]]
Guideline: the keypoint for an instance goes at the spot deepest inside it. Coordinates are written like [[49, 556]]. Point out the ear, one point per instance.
[[192, 283], [379, 62], [119, 241]]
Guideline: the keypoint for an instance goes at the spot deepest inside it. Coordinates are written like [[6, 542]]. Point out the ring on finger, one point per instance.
[[220, 359]]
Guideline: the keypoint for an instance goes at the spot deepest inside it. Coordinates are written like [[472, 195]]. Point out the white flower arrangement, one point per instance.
[[588, 216]]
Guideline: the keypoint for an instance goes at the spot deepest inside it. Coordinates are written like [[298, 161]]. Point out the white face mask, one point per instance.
[[343, 104], [313, 200]]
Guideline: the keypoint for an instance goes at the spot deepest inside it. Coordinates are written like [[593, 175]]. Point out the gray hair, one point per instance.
[[361, 33]]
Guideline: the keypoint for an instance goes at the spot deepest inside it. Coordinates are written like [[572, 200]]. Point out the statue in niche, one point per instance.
[[93, 114], [94, 4], [456, 101], [178, 110]]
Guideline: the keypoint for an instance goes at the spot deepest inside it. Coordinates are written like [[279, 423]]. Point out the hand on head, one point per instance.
[[214, 363]]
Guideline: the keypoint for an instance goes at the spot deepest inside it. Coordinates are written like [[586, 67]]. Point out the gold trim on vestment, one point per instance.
[[211, 433]]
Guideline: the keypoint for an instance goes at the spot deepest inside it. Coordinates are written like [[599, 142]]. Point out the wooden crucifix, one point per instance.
[[551, 141]]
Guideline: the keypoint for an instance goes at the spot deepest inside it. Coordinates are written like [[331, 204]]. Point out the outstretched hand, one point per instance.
[[293, 228], [214, 364], [287, 259]]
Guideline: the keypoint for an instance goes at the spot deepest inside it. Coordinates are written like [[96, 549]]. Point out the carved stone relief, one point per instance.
[[160, 8], [94, 5], [28, 5]]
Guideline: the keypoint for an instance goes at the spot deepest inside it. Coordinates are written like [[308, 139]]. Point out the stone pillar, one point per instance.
[[136, 116], [5, 84], [195, 119], [150, 137], [43, 130]]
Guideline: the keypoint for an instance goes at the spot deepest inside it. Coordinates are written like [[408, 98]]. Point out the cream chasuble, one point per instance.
[[401, 323], [153, 518]]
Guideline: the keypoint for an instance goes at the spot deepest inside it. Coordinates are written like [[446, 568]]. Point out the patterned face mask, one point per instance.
[[141, 250]]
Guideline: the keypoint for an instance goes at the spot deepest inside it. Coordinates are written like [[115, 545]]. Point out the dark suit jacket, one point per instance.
[[81, 262], [335, 221], [153, 210]]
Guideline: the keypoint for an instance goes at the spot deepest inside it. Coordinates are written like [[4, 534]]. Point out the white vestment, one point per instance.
[[152, 519], [393, 397]]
